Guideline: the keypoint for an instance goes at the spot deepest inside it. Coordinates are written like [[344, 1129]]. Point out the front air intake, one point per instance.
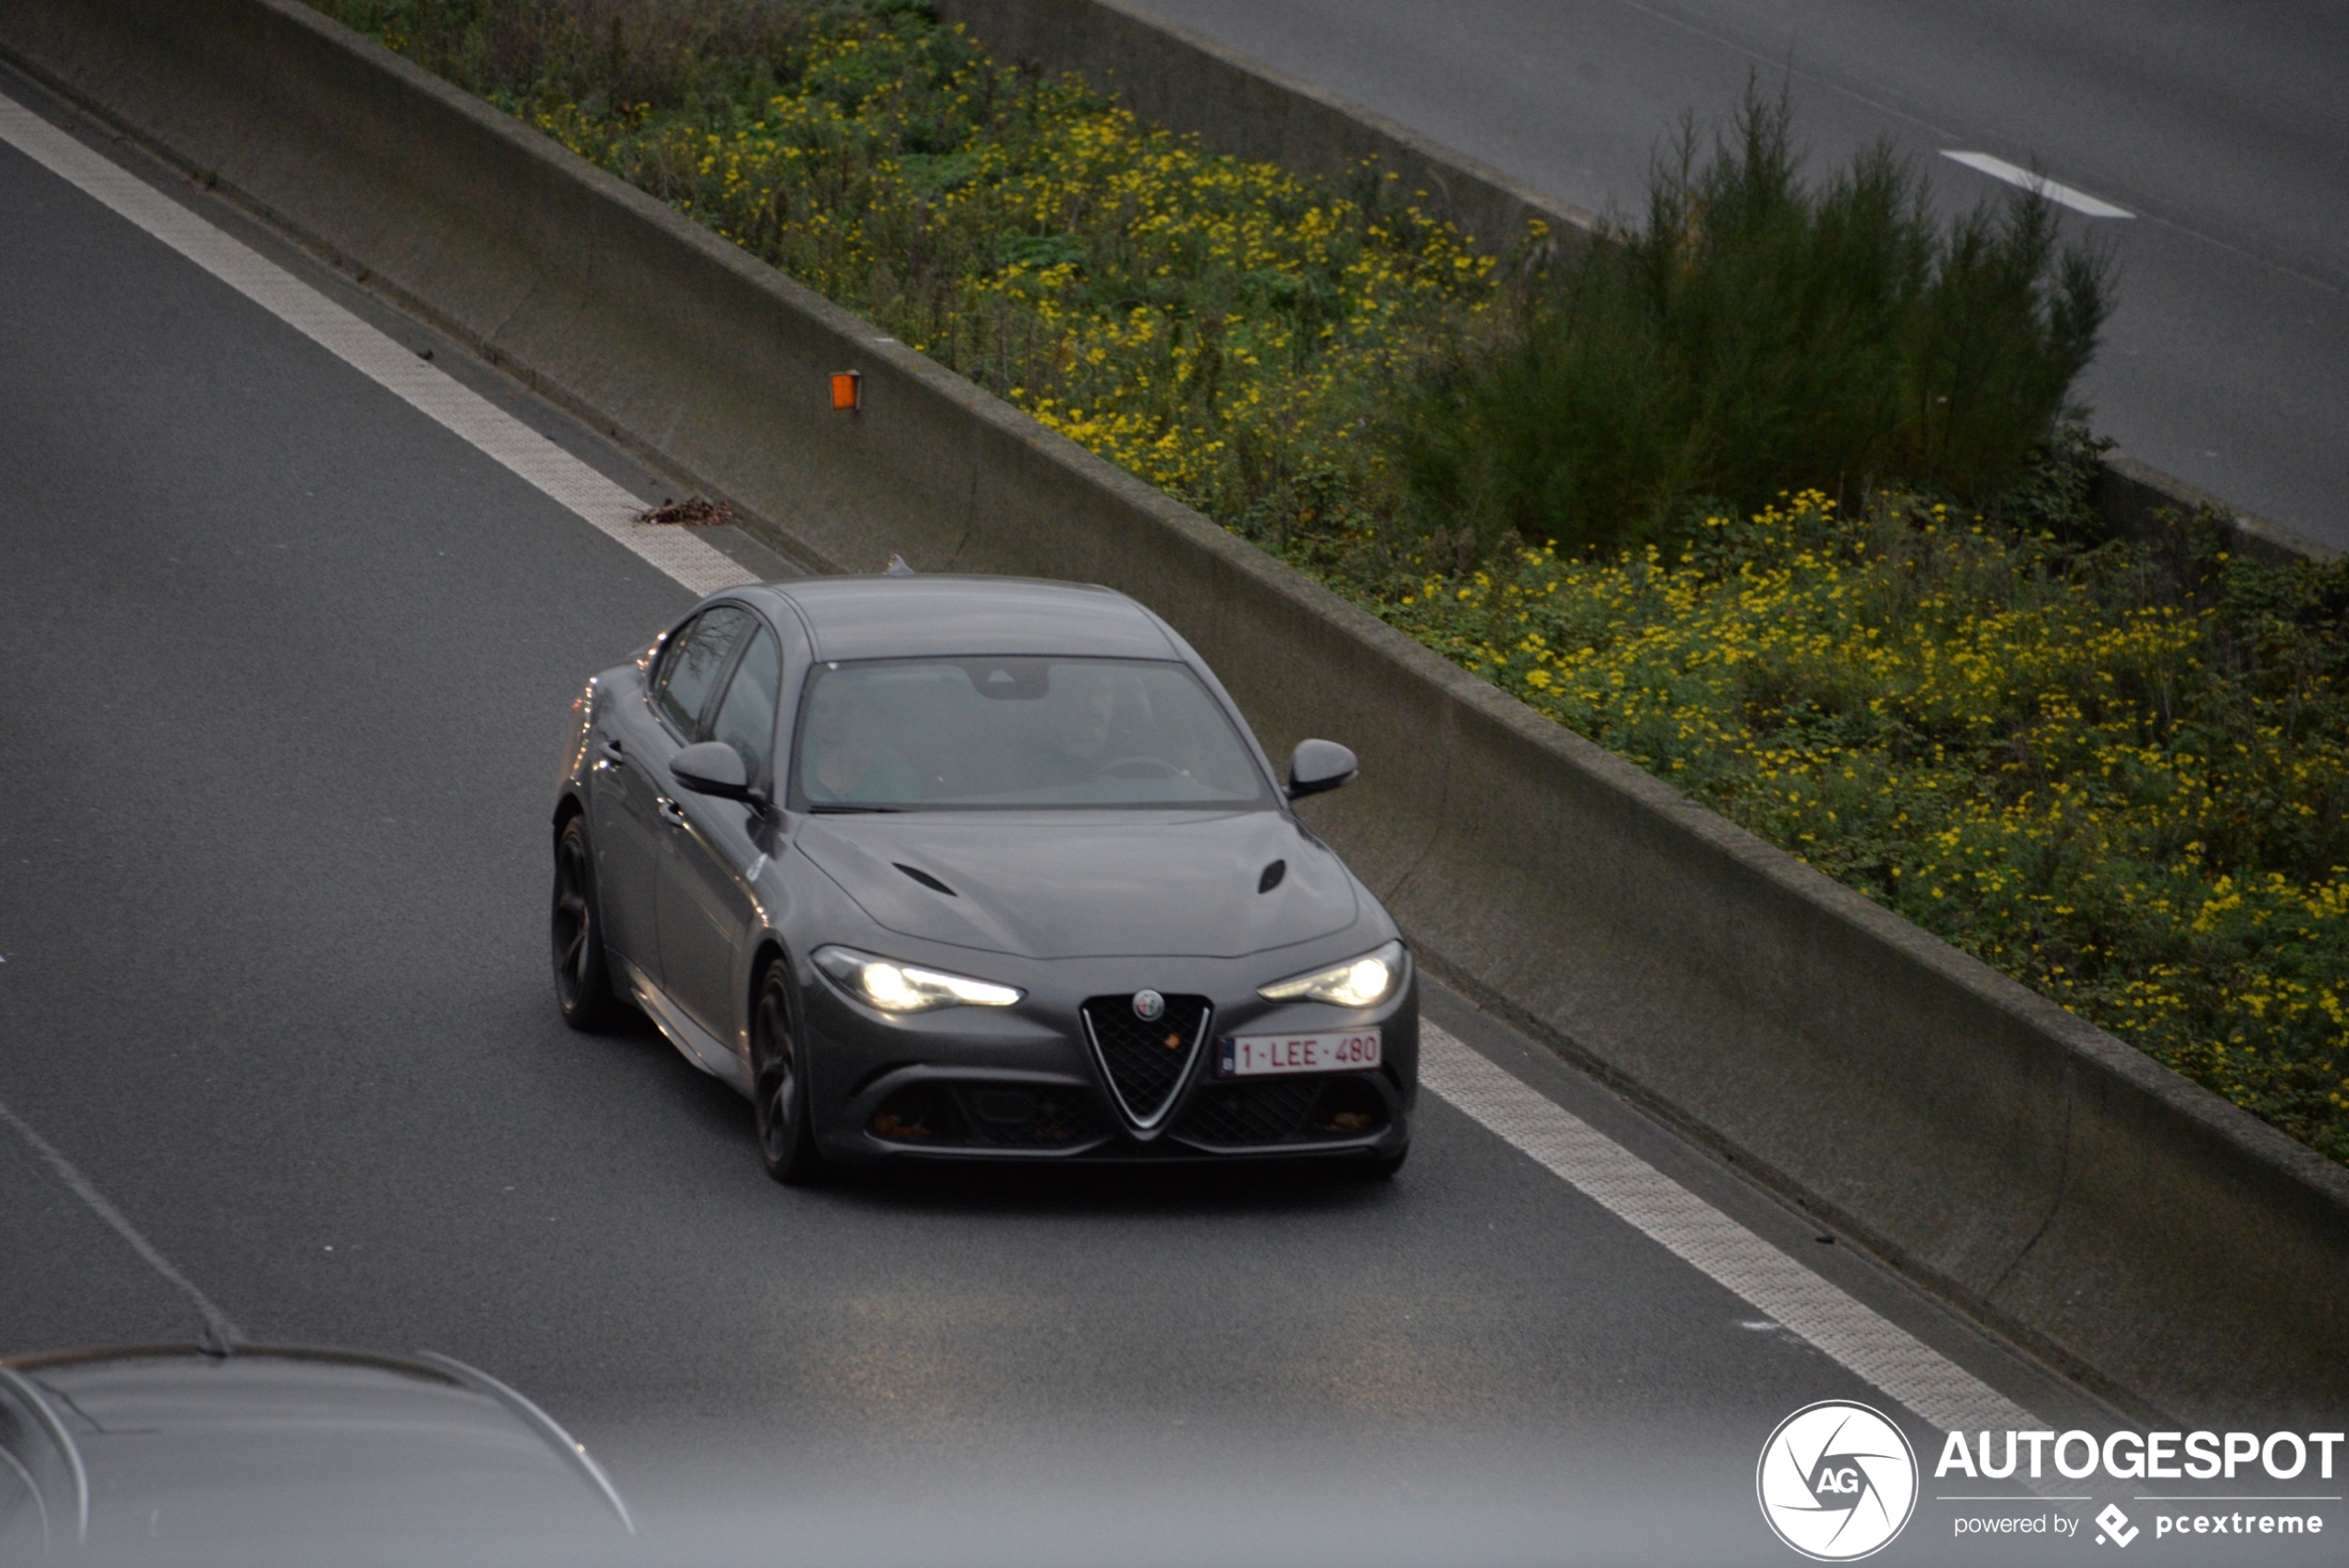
[[1145, 1062]]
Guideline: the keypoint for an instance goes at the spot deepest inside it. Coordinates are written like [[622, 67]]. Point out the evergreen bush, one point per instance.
[[1756, 337]]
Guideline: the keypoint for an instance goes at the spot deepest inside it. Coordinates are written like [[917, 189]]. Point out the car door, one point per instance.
[[633, 740], [713, 848]]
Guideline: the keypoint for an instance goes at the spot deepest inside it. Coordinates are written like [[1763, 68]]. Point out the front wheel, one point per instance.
[[583, 975], [778, 1099]]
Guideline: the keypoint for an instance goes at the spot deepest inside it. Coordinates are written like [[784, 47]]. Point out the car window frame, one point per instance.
[[704, 728], [718, 682]]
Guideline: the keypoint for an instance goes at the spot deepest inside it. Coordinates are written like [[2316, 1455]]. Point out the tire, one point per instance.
[[779, 1097], [583, 973]]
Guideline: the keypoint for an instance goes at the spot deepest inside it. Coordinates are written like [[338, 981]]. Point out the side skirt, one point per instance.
[[694, 1043]]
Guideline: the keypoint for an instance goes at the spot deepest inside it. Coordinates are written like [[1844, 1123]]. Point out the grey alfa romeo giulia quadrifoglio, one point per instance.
[[980, 868]]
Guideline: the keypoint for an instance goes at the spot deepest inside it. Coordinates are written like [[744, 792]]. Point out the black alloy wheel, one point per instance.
[[778, 1100], [583, 975]]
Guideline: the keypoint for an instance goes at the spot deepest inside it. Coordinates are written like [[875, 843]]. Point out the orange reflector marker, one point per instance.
[[848, 391]]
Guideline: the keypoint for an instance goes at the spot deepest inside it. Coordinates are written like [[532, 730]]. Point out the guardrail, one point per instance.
[[2135, 1228], [1188, 82]]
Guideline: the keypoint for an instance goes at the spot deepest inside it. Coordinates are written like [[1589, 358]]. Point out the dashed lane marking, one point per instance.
[[1685, 1225], [2062, 195], [432, 392]]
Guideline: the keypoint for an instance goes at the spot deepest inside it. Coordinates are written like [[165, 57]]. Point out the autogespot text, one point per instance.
[[2141, 1456]]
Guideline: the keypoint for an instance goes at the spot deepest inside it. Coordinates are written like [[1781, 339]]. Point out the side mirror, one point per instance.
[[1318, 765], [713, 768]]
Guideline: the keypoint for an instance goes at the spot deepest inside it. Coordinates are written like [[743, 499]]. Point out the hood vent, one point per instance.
[[1271, 877], [926, 879]]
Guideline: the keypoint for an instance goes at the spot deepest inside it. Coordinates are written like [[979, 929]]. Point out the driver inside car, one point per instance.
[[1098, 727], [1079, 736], [1081, 705]]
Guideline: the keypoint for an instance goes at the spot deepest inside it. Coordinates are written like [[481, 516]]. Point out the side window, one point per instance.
[[692, 661], [747, 715]]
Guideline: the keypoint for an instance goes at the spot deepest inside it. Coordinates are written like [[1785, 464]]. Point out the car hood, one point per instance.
[[1101, 885]]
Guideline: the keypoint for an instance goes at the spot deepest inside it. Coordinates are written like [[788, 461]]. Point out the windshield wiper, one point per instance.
[[833, 808]]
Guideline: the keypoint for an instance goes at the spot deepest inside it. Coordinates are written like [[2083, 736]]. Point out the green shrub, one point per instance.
[[1756, 336]]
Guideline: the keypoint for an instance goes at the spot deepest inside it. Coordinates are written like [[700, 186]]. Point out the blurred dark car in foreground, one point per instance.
[[260, 1456], [981, 867]]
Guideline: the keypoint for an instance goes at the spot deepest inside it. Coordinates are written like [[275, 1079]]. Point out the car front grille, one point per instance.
[[1234, 1114], [1146, 1062], [986, 1116], [1281, 1110]]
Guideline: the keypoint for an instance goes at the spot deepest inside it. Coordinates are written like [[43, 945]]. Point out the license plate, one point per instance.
[[1257, 1056]]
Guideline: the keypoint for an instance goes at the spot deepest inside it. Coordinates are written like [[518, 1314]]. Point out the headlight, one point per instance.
[[903, 987], [1358, 982]]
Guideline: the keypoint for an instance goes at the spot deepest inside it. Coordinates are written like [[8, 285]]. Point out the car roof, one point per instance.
[[867, 617], [309, 1440]]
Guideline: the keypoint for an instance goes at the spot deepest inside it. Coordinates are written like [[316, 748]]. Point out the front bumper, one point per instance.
[[1000, 1087]]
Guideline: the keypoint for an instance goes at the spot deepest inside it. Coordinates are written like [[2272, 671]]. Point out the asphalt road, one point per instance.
[[287, 669], [2218, 124]]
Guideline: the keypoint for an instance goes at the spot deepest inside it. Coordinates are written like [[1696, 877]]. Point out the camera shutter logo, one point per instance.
[[1836, 1481]]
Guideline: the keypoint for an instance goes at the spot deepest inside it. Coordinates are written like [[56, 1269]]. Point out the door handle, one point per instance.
[[672, 813], [611, 749]]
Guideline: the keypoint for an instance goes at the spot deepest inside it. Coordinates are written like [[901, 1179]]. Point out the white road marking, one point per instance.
[[1685, 1225], [2062, 195], [222, 1330], [609, 507], [1887, 1356]]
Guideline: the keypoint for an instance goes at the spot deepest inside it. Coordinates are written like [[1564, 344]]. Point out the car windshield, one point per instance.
[[991, 733]]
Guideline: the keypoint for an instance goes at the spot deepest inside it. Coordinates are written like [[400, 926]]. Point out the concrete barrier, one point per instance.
[[2134, 497], [2128, 1224], [1233, 105]]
